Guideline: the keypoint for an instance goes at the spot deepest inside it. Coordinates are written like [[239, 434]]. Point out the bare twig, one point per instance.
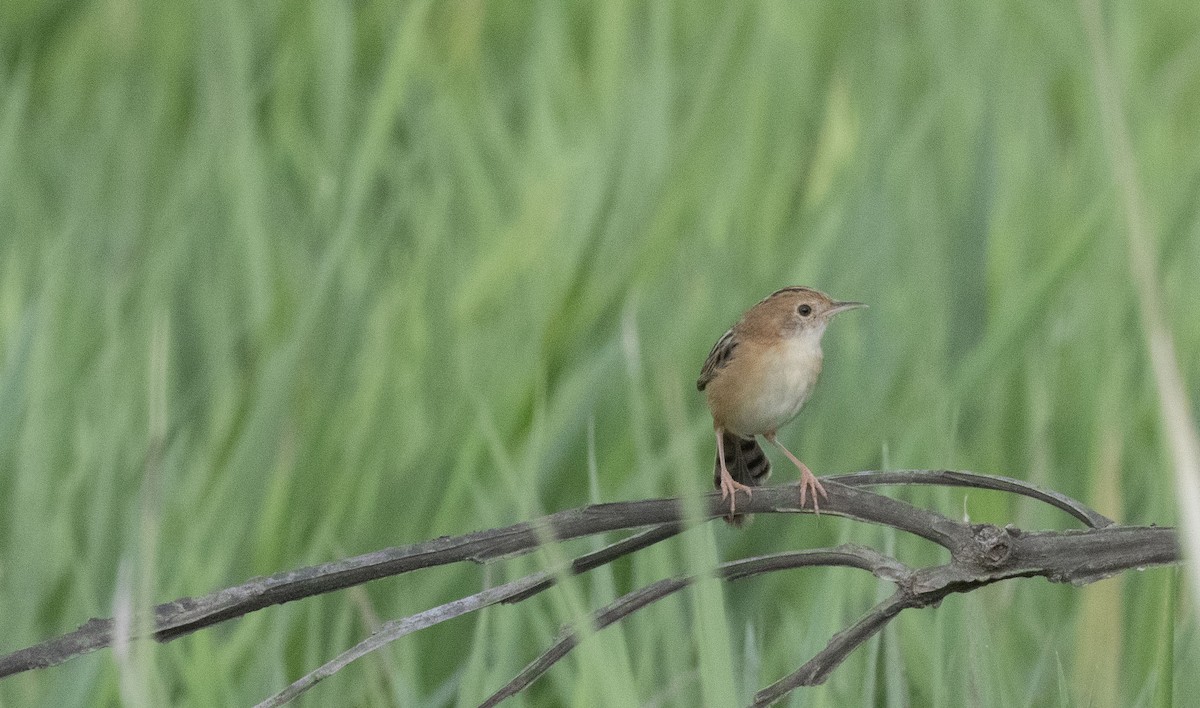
[[513, 591], [954, 478], [1077, 557], [978, 555], [179, 617], [396, 629], [848, 555], [817, 668], [995, 554]]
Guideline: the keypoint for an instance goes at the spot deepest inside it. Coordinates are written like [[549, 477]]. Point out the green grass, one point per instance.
[[284, 282]]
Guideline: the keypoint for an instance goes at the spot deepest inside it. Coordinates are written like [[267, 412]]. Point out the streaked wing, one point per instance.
[[717, 359]]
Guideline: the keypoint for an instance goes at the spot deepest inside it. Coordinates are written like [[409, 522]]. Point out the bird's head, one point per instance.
[[795, 311]]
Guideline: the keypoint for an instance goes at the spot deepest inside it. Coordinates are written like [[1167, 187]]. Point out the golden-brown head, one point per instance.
[[792, 311]]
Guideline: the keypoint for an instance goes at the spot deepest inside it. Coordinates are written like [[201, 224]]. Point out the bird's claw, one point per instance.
[[729, 490], [809, 481]]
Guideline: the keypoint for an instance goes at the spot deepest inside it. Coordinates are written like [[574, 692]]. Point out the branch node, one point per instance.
[[993, 544]]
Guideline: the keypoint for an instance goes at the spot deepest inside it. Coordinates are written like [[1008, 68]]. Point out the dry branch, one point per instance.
[[183, 616], [979, 555], [849, 555], [996, 554], [514, 591]]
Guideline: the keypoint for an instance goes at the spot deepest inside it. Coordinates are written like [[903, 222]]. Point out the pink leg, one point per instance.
[[807, 479], [729, 485]]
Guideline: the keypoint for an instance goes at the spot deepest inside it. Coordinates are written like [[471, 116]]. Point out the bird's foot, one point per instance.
[[730, 487], [809, 481]]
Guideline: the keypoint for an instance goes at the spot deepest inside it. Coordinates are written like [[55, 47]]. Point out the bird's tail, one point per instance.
[[747, 464]]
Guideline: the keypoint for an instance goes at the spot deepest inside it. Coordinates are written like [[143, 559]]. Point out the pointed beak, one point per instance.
[[842, 307]]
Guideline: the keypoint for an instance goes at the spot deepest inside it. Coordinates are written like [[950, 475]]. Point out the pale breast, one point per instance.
[[772, 389]]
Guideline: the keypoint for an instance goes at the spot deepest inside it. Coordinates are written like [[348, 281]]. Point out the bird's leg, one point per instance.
[[729, 485], [807, 479]]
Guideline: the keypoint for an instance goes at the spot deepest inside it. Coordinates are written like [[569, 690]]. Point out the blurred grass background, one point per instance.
[[284, 282]]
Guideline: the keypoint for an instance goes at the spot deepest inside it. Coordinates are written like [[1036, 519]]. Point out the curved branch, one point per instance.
[[1076, 557], [848, 555], [186, 615], [954, 478], [993, 555], [513, 591], [816, 669], [174, 619]]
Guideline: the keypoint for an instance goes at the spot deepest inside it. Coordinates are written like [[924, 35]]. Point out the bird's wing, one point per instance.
[[717, 359]]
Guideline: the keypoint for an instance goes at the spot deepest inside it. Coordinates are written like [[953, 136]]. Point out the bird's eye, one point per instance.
[[805, 310]]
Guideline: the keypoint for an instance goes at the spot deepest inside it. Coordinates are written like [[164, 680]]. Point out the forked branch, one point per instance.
[[1077, 557], [979, 555]]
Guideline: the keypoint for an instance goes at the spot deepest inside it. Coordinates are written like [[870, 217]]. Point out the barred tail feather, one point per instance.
[[747, 464]]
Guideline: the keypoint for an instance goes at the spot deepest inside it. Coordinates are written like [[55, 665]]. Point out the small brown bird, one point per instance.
[[757, 377]]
